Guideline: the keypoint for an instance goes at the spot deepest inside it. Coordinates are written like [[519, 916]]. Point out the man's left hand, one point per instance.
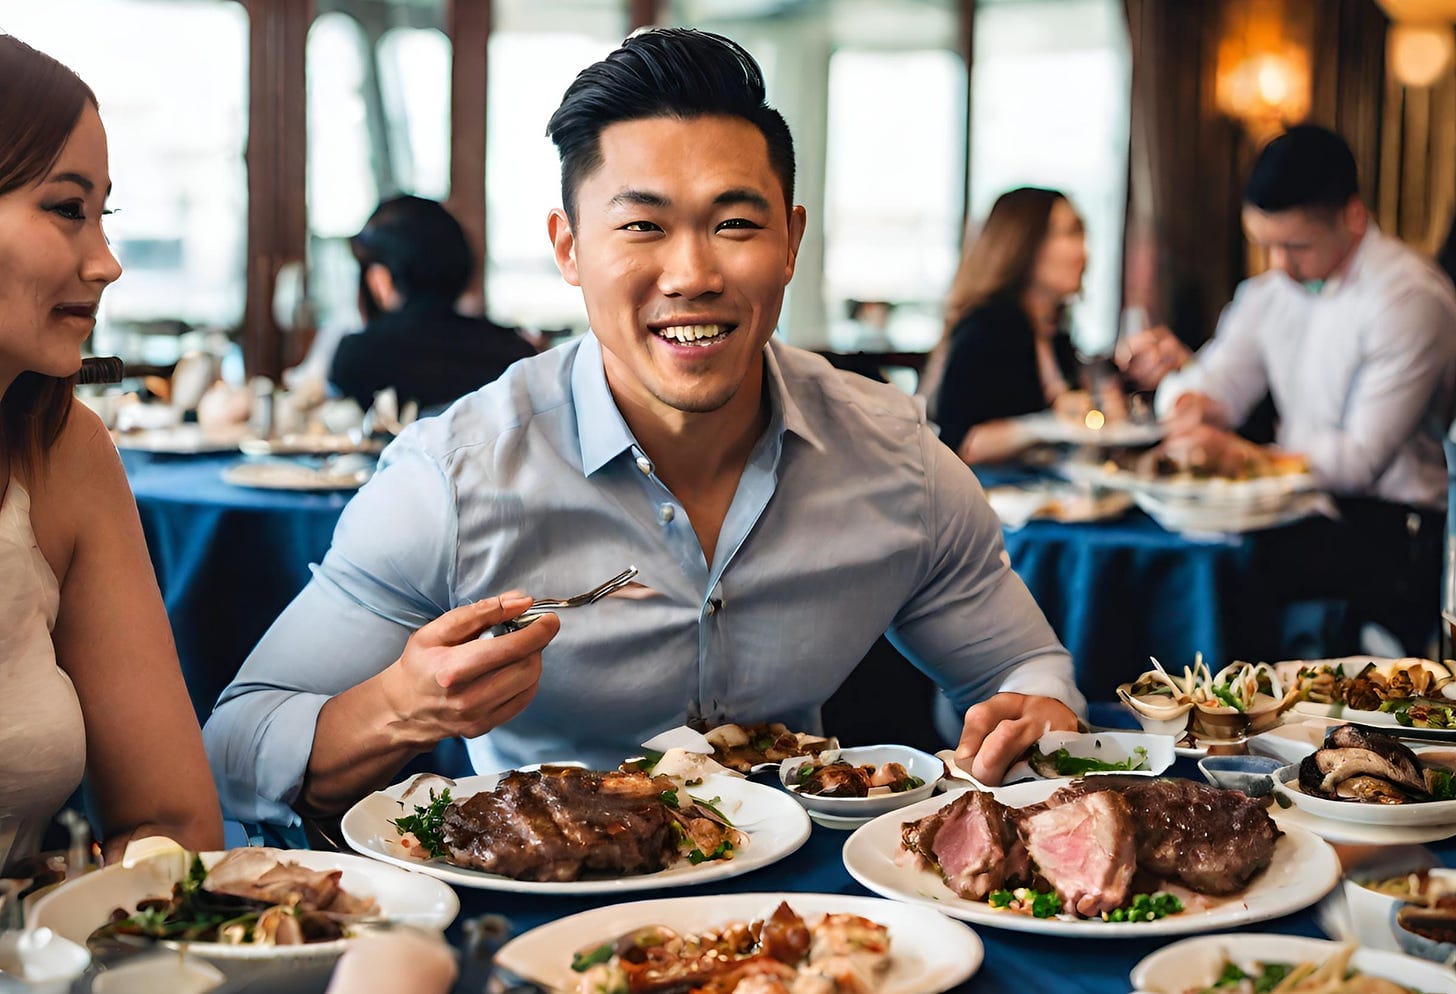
[[1000, 729]]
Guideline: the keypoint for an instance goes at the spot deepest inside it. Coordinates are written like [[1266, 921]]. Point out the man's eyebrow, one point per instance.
[[742, 196], [639, 198]]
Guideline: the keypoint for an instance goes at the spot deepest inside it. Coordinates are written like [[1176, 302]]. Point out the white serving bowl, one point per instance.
[[916, 763], [77, 908], [1355, 913]]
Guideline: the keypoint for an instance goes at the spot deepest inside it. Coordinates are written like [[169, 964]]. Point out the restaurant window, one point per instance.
[[172, 83], [533, 58], [414, 80], [894, 180], [1050, 106]]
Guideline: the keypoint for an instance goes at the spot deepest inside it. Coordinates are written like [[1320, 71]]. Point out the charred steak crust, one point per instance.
[[561, 823], [1211, 841]]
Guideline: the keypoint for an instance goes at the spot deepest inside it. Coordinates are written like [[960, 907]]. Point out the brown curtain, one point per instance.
[[1417, 192], [1184, 250]]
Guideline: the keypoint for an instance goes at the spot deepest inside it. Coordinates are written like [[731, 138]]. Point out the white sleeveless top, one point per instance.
[[42, 736]]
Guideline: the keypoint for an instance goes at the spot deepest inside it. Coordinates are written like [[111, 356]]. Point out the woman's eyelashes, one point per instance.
[[74, 210]]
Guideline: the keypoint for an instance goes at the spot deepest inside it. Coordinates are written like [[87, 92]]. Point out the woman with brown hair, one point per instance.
[[88, 670], [1004, 348]]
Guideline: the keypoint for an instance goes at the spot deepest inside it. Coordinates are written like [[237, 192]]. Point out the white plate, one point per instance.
[[929, 952], [1352, 833], [293, 476], [77, 908], [1377, 719], [775, 823], [188, 439], [1046, 426], [1303, 870], [1110, 747], [309, 445], [1194, 963], [1259, 491], [1416, 814], [916, 763], [1219, 519]]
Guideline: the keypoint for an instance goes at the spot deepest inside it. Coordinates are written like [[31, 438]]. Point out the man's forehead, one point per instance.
[[710, 153], [1293, 224]]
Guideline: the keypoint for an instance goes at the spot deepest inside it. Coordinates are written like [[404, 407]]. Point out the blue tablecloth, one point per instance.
[[228, 559]]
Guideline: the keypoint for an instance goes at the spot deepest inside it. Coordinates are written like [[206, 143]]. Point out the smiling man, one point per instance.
[[783, 515]]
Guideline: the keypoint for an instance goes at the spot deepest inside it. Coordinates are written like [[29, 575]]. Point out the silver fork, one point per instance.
[[549, 605]]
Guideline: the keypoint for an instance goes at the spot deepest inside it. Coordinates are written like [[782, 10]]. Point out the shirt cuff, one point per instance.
[[262, 770], [1047, 676]]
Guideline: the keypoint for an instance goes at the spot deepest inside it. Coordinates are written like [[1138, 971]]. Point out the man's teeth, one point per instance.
[[690, 333]]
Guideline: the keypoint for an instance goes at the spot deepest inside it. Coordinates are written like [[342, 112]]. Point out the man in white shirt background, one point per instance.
[[1353, 334]]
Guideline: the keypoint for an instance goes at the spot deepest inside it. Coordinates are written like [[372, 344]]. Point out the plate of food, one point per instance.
[[861, 782], [310, 444], [244, 904], [1364, 776], [743, 748], [1051, 428], [182, 439], [1219, 858], [1231, 964], [629, 830], [885, 946], [341, 473]]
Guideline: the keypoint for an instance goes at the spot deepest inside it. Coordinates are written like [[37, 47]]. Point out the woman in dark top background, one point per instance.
[[414, 263], [1006, 353]]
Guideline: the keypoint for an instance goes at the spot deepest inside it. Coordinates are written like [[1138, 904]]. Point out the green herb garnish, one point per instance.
[[1227, 696], [1068, 765], [724, 850], [426, 823], [581, 961], [713, 807], [669, 797], [909, 783], [1145, 908]]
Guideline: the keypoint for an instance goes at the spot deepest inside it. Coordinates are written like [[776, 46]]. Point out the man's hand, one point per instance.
[[450, 682], [1217, 452], [999, 730], [1192, 410], [1150, 355]]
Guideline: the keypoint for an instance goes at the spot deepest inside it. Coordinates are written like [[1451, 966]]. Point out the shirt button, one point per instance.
[[645, 465], [666, 512]]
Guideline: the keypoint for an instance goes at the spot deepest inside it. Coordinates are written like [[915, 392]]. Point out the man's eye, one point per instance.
[[640, 226], [739, 224]]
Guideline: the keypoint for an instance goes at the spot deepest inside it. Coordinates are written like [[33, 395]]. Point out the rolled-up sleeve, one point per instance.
[[972, 625], [1230, 368], [388, 571]]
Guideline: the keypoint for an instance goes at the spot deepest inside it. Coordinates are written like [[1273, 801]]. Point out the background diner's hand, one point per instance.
[[1151, 354], [1000, 729], [1213, 450], [451, 682], [1192, 410]]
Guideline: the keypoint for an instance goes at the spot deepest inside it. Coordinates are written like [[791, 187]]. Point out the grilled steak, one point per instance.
[[1085, 850], [561, 823], [974, 844], [1211, 841]]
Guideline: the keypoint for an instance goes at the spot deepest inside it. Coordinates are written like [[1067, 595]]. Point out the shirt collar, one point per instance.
[[603, 433]]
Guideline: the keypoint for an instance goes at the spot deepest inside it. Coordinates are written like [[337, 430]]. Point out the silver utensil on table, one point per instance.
[[549, 605]]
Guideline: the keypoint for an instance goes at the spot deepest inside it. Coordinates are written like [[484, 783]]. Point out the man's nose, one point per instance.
[[1278, 259], [690, 268]]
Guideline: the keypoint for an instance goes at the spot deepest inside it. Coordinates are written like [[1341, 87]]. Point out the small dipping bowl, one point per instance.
[[1254, 775], [1415, 944]]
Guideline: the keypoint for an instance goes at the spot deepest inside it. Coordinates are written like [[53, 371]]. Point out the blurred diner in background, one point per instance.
[[1113, 369]]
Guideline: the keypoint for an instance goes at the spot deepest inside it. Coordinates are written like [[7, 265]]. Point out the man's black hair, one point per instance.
[[422, 246], [1307, 166], [664, 72]]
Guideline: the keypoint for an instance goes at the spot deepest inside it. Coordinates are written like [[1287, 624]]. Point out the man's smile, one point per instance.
[[694, 335]]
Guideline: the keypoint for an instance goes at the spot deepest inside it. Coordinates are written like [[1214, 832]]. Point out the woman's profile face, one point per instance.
[[1062, 257], [54, 260]]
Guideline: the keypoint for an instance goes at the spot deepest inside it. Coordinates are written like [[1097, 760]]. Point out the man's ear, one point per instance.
[[798, 221], [1357, 217], [381, 287], [563, 245]]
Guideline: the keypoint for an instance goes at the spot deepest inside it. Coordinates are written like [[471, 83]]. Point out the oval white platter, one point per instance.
[[1303, 870], [929, 952], [775, 823]]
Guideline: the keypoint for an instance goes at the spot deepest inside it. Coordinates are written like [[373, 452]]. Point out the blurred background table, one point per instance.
[[228, 559]]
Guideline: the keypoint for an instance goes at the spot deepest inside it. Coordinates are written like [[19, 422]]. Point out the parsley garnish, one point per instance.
[[426, 823]]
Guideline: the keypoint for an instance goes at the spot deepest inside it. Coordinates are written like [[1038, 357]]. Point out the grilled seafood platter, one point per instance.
[[563, 823], [1417, 693], [1118, 847], [837, 954]]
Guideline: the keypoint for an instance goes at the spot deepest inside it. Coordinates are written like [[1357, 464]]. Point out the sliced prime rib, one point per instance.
[[1212, 841], [560, 823], [974, 844], [1085, 849]]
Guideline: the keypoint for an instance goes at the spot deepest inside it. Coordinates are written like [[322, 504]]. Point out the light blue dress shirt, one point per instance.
[[851, 520]]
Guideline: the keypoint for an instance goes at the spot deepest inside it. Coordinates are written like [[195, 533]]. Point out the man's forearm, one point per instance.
[[358, 747]]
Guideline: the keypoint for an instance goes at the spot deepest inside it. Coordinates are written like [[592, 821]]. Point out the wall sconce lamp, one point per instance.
[[1419, 54], [1265, 91]]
